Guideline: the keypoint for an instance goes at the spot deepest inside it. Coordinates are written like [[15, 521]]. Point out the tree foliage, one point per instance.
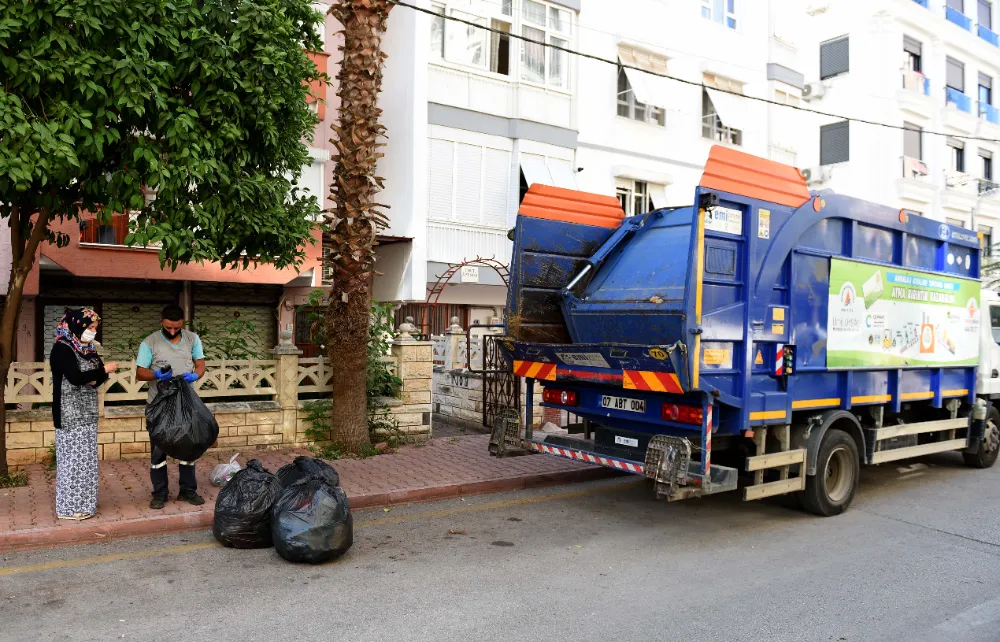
[[201, 101]]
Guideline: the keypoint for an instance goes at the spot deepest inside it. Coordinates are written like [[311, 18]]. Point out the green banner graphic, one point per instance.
[[888, 316]]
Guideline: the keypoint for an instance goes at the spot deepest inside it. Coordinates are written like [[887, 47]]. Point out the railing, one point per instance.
[[916, 81], [31, 382], [989, 35], [988, 187], [114, 233], [957, 98], [440, 345], [959, 18], [314, 375], [990, 113], [914, 168]]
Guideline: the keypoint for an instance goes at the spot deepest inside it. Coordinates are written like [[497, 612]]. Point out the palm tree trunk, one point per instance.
[[356, 219]]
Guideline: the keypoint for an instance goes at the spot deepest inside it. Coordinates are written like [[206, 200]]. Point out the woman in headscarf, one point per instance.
[[77, 372]]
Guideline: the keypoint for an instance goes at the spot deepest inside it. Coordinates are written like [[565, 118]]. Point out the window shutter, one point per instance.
[[440, 169], [911, 141], [985, 81], [986, 14], [496, 188], [957, 5], [834, 143], [469, 188], [956, 75], [912, 45], [834, 58]]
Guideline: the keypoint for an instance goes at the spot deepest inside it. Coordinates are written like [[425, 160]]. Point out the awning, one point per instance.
[[648, 89], [657, 194], [535, 170], [729, 107], [562, 173]]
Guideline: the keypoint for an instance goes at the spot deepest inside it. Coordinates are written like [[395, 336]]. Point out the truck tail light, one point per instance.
[[559, 397], [682, 414]]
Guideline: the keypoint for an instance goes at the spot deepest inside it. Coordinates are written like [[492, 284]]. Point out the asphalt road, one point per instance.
[[917, 558]]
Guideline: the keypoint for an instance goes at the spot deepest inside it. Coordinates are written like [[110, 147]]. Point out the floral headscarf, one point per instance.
[[69, 330]]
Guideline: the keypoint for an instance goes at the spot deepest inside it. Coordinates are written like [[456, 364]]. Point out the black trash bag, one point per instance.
[[311, 522], [179, 422], [243, 508], [303, 467]]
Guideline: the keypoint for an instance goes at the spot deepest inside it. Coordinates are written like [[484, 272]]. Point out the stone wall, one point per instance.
[[458, 398]]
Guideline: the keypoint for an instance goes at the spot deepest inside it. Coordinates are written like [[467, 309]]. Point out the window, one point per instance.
[[955, 77], [957, 153], [987, 159], [985, 234], [995, 322], [985, 92], [720, 109], [834, 58], [912, 141], [629, 107], [551, 25], [721, 11], [638, 197], [986, 14], [957, 5], [913, 54], [957, 222], [834, 143], [500, 48], [437, 31]]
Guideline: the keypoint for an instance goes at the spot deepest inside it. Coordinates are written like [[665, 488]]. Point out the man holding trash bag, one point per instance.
[[172, 351]]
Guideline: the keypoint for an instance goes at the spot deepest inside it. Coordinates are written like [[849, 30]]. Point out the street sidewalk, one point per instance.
[[443, 468]]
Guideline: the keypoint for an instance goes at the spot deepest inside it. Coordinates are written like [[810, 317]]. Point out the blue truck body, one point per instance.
[[722, 305]]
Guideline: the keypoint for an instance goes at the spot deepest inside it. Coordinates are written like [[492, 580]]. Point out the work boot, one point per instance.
[[192, 498], [157, 502]]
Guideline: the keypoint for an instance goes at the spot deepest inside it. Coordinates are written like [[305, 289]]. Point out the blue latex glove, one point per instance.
[[190, 377], [161, 375]]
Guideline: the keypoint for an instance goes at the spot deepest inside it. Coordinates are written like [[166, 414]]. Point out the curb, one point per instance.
[[82, 533]]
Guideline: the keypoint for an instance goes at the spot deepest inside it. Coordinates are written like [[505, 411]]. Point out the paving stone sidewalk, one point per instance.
[[443, 468]]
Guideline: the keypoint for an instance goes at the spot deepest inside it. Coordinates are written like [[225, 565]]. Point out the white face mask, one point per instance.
[[88, 335]]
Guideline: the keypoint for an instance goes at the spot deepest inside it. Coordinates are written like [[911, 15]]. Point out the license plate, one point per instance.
[[626, 441], [623, 403]]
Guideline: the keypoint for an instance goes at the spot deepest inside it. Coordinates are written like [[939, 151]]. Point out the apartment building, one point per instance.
[[927, 67], [128, 288], [475, 117]]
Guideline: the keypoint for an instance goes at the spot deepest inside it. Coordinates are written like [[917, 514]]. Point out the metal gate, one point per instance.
[[501, 387]]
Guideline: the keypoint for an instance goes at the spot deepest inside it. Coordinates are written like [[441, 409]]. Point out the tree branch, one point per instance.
[[37, 234]]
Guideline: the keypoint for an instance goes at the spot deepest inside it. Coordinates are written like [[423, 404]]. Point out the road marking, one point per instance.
[[966, 621], [386, 521]]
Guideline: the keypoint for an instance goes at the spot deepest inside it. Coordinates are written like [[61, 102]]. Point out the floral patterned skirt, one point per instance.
[[76, 469]]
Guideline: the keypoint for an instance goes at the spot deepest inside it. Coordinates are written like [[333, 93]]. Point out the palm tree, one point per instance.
[[356, 219]]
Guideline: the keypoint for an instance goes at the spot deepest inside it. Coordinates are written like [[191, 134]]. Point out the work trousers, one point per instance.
[[158, 474]]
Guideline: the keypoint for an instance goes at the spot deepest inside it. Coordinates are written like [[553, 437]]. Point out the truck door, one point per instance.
[[989, 356]]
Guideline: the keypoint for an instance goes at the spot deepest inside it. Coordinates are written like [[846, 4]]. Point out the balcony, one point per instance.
[[114, 234], [988, 187], [989, 36], [914, 186], [958, 99], [959, 18], [916, 81], [989, 113], [914, 168]]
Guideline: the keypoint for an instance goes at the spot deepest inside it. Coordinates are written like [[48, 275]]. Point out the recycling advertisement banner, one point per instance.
[[889, 316]]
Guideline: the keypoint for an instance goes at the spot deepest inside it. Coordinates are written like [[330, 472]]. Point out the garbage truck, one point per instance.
[[764, 338]]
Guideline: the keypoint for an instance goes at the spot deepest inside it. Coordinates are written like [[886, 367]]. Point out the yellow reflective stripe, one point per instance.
[[652, 381], [802, 404], [871, 399], [767, 414], [955, 393], [533, 370], [909, 396]]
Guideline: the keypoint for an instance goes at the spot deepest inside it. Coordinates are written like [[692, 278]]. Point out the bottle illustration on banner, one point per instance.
[[926, 337]]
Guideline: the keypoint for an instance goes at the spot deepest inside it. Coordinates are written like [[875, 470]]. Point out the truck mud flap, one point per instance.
[[783, 461]]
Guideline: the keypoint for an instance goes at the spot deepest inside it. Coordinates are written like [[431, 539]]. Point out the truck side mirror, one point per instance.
[[995, 374]]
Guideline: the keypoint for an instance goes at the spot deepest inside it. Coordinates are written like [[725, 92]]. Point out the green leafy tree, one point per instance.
[[202, 102]]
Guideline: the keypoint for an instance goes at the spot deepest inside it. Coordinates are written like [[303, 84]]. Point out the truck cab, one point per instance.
[[988, 375]]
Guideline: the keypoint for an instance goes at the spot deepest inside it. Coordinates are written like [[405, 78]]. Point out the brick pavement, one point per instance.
[[446, 467]]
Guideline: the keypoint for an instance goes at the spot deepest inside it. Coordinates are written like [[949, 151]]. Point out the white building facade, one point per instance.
[[927, 67]]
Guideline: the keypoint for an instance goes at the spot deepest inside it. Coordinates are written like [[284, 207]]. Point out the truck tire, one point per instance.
[[986, 455], [838, 468]]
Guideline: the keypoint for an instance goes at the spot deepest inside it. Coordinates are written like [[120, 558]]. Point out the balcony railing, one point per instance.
[[914, 168], [989, 35], [988, 187], [957, 98], [959, 18], [916, 81], [113, 234], [989, 113]]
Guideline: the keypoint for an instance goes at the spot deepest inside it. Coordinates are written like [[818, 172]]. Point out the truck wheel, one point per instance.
[[831, 490], [989, 447]]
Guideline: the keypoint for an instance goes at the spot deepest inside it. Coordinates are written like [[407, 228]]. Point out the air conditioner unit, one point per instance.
[[815, 175], [813, 91]]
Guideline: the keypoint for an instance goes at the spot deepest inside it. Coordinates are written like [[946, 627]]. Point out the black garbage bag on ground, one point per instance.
[[305, 466], [179, 422], [311, 522], [243, 508]]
